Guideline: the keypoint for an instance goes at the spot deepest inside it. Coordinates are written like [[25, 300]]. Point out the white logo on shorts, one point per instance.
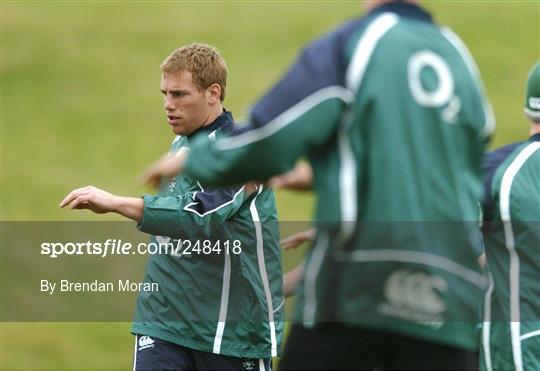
[[145, 342]]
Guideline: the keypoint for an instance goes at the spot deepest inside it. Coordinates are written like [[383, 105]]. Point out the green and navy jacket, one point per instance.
[[390, 111], [225, 302], [511, 329]]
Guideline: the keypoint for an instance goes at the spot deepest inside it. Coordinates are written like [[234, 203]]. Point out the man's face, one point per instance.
[[186, 107]]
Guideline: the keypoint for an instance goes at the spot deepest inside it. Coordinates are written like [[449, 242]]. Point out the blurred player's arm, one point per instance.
[[300, 178], [164, 169], [291, 279], [298, 115], [297, 239]]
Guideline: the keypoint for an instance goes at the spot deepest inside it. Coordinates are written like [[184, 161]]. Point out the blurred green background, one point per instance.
[[80, 104]]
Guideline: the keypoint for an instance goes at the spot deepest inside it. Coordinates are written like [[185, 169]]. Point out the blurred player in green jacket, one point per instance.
[[511, 330]]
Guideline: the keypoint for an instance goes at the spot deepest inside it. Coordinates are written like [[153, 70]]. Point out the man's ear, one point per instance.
[[213, 93]]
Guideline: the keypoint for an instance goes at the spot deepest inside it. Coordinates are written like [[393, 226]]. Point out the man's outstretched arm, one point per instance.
[[195, 213]]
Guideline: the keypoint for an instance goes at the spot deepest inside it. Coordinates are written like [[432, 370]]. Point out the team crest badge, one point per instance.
[[248, 364], [172, 184]]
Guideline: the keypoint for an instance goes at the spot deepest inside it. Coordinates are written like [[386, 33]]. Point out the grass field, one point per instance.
[[80, 104]]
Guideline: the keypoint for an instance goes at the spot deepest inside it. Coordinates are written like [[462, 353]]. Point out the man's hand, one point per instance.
[[91, 198], [100, 202], [291, 280], [164, 168], [300, 178], [297, 239]]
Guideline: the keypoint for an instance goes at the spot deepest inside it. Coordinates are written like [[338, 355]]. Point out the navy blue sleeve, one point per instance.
[[299, 113], [212, 199], [322, 64]]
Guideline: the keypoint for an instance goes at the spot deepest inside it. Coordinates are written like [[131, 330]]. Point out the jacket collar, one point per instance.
[[225, 120]]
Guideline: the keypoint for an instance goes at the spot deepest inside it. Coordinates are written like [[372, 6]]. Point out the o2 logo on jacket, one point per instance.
[[440, 96], [414, 296]]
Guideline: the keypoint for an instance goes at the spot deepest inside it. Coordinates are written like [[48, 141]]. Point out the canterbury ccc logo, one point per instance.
[[534, 102], [145, 342], [416, 290]]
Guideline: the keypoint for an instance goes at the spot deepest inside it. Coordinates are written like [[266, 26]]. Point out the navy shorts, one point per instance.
[[155, 354]]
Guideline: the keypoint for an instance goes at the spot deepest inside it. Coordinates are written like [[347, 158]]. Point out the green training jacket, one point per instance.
[[511, 328], [220, 288]]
